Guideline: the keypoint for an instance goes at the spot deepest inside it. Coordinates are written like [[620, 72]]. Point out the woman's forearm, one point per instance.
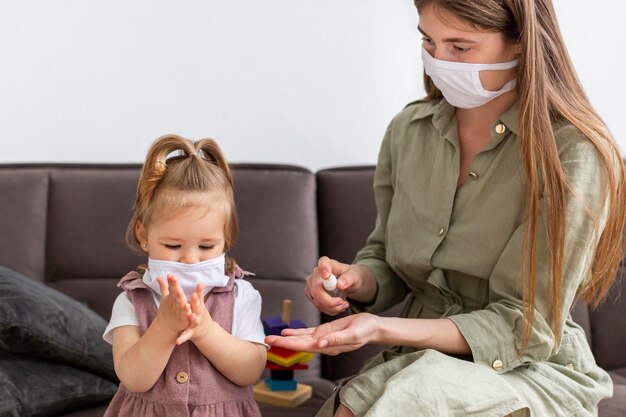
[[438, 334], [240, 361]]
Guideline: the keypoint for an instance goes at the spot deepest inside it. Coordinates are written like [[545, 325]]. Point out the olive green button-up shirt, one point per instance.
[[458, 253]]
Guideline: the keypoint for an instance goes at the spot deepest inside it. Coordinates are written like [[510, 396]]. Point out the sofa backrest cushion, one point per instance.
[[608, 326], [23, 204], [346, 210], [88, 210], [64, 224], [278, 237], [347, 215]]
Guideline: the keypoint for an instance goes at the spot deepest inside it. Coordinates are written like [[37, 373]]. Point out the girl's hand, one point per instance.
[[174, 309], [200, 321], [350, 279], [342, 335]]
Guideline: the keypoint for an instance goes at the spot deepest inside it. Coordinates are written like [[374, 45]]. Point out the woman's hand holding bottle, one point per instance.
[[354, 281]]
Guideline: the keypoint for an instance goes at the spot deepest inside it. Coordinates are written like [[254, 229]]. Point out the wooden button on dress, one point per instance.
[[182, 377], [500, 128]]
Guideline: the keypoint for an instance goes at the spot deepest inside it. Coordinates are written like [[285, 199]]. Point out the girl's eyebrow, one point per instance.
[[458, 40], [178, 239]]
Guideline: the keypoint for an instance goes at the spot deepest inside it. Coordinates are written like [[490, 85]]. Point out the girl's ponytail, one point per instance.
[[212, 152], [155, 166]]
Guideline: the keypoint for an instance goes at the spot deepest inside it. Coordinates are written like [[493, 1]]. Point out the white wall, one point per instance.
[[312, 83]]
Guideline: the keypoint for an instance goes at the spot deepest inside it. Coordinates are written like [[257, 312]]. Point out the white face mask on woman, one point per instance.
[[459, 82], [209, 273]]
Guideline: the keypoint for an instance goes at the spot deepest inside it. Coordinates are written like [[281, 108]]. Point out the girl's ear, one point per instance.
[[140, 233]]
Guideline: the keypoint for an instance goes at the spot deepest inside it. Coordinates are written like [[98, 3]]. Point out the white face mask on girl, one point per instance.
[[459, 82], [210, 273]]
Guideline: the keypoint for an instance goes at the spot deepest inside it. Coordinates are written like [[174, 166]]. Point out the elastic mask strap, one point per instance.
[[463, 66]]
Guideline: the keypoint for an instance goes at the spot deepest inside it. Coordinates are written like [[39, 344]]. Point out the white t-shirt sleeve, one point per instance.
[[123, 314], [247, 313]]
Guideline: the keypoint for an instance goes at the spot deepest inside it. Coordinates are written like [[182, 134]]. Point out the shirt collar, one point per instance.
[[433, 108], [443, 119], [442, 112]]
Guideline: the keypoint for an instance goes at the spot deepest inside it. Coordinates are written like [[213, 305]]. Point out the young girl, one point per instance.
[[501, 199], [187, 336]]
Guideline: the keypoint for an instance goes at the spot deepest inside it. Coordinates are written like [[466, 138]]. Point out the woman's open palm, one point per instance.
[[342, 335]]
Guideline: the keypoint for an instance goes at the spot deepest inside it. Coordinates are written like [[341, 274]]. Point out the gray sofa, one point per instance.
[[63, 225]]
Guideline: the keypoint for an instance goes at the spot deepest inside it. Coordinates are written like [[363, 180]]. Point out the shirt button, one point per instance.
[[182, 377], [442, 231], [497, 364], [570, 366], [473, 175], [500, 128]]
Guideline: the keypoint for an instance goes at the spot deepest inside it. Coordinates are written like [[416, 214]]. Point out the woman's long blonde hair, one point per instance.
[[548, 91], [177, 174]]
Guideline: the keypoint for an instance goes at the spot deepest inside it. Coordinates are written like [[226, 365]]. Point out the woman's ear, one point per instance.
[[140, 233], [513, 51]]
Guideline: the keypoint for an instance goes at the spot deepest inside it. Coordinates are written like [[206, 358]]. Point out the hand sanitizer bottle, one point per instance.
[[330, 285]]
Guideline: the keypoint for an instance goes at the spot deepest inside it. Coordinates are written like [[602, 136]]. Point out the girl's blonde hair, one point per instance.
[[177, 174], [549, 91]]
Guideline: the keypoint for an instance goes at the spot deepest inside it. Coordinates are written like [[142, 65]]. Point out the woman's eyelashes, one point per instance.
[[428, 44]]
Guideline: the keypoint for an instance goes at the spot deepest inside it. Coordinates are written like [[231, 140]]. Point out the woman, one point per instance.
[[500, 200]]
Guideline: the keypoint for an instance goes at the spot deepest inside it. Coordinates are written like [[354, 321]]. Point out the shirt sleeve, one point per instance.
[[123, 314], [391, 289], [495, 333], [247, 314]]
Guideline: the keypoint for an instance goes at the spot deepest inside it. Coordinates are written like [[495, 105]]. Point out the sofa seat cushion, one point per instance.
[[97, 410], [40, 322], [615, 406]]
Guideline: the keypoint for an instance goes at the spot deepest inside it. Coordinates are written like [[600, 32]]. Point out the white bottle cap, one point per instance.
[[330, 284]]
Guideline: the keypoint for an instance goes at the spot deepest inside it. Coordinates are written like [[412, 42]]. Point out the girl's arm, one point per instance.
[[240, 361], [140, 360]]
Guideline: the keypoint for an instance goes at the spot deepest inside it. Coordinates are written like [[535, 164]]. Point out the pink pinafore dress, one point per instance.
[[190, 385]]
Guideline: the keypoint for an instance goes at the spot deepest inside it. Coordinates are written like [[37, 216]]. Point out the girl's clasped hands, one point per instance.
[[188, 319]]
